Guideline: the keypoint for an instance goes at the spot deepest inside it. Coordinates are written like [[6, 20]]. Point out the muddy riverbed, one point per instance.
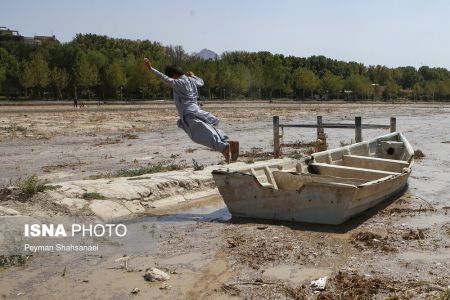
[[399, 250]]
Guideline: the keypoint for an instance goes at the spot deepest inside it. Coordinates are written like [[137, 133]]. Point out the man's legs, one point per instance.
[[206, 135]]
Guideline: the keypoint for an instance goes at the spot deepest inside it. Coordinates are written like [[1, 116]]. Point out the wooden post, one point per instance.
[[319, 127], [393, 124], [358, 129], [276, 136]]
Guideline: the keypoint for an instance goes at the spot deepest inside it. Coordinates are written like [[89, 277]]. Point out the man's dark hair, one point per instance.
[[173, 70]]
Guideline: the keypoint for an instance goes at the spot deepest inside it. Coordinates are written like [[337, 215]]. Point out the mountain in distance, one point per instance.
[[207, 54]]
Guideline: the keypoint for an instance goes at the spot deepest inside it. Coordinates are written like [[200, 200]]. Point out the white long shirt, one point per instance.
[[185, 92]]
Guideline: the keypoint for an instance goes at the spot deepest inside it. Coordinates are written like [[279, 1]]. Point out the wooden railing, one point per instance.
[[320, 125]]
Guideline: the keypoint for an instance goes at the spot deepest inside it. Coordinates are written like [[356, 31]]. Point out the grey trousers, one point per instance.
[[203, 133]]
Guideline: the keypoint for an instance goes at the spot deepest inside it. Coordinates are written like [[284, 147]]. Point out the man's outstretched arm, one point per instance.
[[173, 83]]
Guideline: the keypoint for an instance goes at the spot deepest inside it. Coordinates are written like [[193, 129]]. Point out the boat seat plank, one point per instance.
[[392, 143], [270, 178], [375, 163], [348, 172], [294, 181]]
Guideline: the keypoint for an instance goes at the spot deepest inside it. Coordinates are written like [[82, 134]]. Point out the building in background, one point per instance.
[[8, 35]]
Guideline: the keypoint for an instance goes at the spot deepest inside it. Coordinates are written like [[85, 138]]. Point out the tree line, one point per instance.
[[98, 67]]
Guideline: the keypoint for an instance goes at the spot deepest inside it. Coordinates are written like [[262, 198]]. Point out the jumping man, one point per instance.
[[197, 123]]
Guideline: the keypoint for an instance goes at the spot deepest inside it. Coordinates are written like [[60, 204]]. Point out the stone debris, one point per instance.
[[165, 286], [5, 211], [319, 284], [124, 259], [154, 274], [135, 290]]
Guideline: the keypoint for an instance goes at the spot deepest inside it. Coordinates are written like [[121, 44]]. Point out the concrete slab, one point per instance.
[[108, 210], [73, 203]]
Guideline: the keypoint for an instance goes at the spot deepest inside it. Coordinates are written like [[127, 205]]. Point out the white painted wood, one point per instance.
[[331, 197]]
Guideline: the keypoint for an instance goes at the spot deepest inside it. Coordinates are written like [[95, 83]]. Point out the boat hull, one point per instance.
[[315, 203], [316, 198]]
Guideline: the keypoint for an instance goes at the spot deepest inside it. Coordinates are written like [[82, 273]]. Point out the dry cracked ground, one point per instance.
[[399, 250]]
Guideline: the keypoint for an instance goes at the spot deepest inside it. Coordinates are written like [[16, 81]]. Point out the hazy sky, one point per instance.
[[387, 32]]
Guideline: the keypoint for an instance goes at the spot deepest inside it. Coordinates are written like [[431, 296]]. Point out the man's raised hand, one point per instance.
[[147, 63]]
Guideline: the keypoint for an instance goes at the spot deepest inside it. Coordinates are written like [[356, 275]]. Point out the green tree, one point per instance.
[[115, 77], [306, 80], [443, 88], [27, 77], [418, 90], [87, 75], [331, 84], [359, 86], [392, 89], [429, 88], [408, 76], [40, 70], [2, 76], [35, 73], [59, 78], [11, 73], [143, 81], [273, 73]]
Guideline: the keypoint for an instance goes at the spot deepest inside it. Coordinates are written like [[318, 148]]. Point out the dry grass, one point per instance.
[[31, 185], [149, 169]]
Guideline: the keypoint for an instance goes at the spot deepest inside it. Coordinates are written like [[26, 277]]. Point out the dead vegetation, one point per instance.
[[130, 136], [414, 234], [256, 250], [343, 143], [93, 196], [261, 289], [148, 169], [407, 210], [354, 286], [369, 240], [13, 260], [256, 154], [25, 189], [197, 166], [311, 147], [64, 165], [109, 141], [418, 154]]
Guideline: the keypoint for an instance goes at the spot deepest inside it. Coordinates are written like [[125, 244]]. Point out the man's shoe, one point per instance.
[[234, 149], [226, 154]]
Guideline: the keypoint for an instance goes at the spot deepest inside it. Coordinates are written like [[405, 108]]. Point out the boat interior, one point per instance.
[[353, 165]]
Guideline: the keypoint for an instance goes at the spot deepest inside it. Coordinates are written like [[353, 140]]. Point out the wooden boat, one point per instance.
[[327, 188]]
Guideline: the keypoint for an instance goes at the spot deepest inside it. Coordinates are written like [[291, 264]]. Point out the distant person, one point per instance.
[[198, 124], [75, 103]]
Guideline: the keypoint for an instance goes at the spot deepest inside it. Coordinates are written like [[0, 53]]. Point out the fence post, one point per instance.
[[276, 136], [393, 124], [358, 129], [319, 127]]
